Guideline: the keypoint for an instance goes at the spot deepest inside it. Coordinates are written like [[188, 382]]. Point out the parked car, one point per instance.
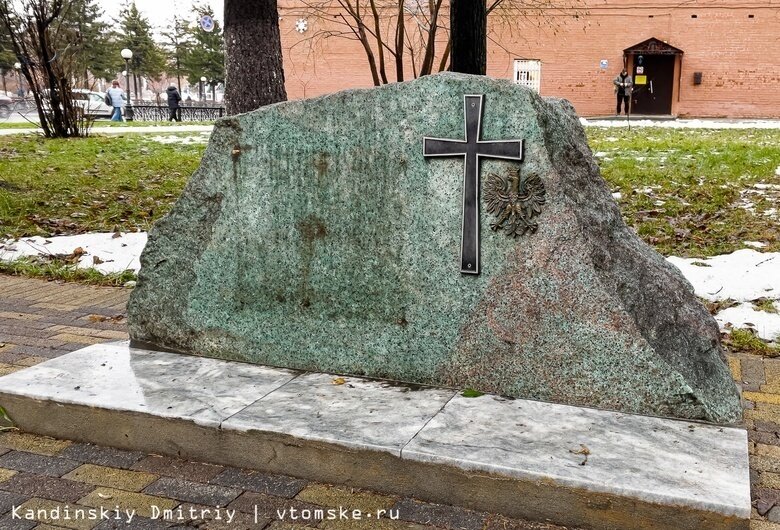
[[92, 103], [6, 105]]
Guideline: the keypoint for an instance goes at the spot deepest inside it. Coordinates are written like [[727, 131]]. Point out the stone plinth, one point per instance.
[[569, 465]]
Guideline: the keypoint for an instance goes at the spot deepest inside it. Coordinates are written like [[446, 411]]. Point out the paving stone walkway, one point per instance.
[[40, 320]]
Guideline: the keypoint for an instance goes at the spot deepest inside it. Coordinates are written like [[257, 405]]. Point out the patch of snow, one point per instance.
[[617, 195], [186, 140], [777, 171], [764, 186], [743, 275], [754, 244], [116, 253], [600, 154], [767, 325], [647, 190], [685, 123]]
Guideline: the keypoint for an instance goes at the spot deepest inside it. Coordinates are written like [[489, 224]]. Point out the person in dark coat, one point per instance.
[[174, 100], [623, 87]]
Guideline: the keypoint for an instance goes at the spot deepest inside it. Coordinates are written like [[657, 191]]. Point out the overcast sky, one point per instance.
[[160, 12]]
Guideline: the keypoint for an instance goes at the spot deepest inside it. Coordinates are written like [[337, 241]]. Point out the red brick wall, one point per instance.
[[736, 54]]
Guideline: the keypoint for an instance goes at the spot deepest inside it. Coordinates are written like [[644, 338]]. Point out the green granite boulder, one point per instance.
[[315, 235]]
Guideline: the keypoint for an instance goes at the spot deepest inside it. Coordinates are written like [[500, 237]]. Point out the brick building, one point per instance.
[[707, 58]]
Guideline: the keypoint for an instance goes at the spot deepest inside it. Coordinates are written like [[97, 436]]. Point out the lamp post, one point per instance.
[[127, 54], [202, 89], [20, 89]]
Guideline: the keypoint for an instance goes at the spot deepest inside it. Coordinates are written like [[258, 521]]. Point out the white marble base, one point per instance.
[[679, 465]]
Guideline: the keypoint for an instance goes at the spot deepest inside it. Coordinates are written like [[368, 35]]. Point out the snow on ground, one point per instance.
[[684, 124], [767, 325], [114, 254], [743, 276], [187, 140]]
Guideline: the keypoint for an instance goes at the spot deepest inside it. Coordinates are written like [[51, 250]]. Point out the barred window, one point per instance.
[[528, 73]]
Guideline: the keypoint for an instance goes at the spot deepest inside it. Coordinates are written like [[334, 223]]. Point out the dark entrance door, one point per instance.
[[655, 95]]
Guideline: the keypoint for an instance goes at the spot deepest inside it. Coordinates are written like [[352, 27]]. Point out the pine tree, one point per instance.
[[176, 42], [205, 56], [7, 57], [253, 50], [135, 33], [85, 29]]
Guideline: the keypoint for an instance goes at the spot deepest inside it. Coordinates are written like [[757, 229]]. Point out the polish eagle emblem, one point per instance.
[[515, 200]]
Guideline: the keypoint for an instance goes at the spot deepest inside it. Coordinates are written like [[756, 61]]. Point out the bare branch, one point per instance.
[[379, 43]]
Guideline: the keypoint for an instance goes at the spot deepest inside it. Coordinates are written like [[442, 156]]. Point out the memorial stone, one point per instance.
[[453, 231]]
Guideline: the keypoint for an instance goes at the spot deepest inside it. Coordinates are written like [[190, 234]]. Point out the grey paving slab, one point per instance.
[[9, 500], [247, 479], [102, 456], [34, 463], [55, 489], [194, 492], [439, 514]]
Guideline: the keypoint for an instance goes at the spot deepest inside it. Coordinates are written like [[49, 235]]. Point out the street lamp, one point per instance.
[[202, 88], [127, 54], [20, 89]]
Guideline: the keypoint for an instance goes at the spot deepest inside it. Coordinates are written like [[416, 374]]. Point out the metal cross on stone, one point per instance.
[[472, 149]]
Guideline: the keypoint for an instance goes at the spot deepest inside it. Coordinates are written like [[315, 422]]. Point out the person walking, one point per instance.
[[116, 97], [174, 100], [623, 87]]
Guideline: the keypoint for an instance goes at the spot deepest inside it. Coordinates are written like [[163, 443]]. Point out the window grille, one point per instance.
[[528, 73]]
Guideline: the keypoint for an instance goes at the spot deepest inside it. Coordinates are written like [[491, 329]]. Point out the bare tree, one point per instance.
[[415, 34], [36, 31], [254, 76]]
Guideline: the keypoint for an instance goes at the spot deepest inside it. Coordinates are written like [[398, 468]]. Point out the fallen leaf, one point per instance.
[[101, 318], [583, 450], [339, 381], [96, 260]]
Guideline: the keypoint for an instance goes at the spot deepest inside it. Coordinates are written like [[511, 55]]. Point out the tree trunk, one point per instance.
[[254, 74], [468, 30]]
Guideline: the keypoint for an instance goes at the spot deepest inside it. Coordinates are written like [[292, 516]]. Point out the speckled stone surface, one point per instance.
[[316, 236]]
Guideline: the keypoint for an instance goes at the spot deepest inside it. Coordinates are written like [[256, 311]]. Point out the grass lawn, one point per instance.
[[102, 183], [107, 123], [695, 192], [18, 125], [688, 192]]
